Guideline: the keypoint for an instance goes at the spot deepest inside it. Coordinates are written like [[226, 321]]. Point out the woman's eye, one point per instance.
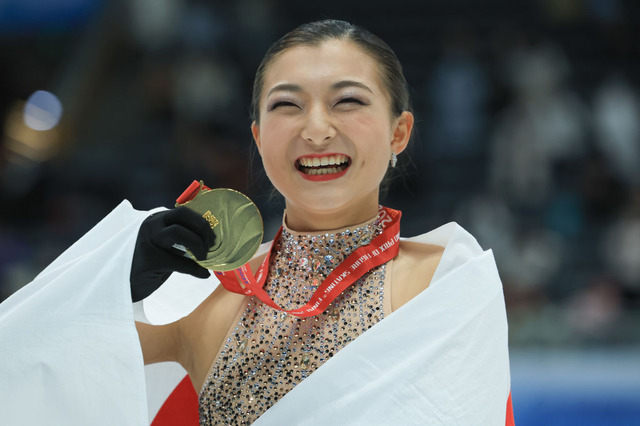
[[347, 101], [280, 104]]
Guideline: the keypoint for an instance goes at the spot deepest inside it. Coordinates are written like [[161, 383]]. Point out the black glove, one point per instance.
[[155, 258]]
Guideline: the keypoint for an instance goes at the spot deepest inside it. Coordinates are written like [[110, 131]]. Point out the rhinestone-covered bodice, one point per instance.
[[268, 352]]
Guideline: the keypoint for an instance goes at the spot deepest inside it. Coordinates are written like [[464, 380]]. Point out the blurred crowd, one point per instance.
[[528, 135]]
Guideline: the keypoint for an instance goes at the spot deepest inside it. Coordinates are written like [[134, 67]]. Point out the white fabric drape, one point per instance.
[[70, 352]]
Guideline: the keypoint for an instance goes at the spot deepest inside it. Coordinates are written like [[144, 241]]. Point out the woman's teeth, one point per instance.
[[323, 161], [323, 165], [323, 171]]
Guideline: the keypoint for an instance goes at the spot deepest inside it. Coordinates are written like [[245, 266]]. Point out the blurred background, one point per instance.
[[528, 135]]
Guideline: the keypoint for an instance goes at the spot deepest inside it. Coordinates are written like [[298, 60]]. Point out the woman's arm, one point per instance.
[[159, 342], [193, 340]]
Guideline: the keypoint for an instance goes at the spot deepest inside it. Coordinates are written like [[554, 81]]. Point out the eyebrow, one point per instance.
[[288, 87], [350, 83], [285, 87]]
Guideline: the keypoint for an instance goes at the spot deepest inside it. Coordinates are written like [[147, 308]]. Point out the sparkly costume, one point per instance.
[[266, 352]]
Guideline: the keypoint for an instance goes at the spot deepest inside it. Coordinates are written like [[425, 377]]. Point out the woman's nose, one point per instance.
[[318, 126]]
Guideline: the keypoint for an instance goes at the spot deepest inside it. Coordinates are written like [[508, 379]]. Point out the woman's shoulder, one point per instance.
[[419, 257], [448, 234], [413, 269], [422, 258], [421, 254]]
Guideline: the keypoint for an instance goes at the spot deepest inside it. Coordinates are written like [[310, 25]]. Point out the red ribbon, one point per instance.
[[382, 248], [191, 192]]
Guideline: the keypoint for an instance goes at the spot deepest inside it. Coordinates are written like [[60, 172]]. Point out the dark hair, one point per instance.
[[315, 33]]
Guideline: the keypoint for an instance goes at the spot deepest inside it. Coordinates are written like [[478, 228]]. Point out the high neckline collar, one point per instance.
[[372, 222], [319, 252]]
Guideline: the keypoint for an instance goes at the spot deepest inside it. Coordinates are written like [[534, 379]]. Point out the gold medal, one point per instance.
[[236, 223]]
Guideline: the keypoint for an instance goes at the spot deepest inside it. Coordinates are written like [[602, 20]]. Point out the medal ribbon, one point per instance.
[[382, 248]]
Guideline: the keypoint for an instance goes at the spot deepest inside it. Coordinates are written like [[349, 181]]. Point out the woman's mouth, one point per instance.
[[323, 167]]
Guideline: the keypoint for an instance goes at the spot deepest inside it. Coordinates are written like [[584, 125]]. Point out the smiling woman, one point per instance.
[[344, 322], [323, 101], [330, 111]]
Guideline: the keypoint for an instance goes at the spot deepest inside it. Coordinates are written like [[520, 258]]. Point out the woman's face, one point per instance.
[[326, 131]]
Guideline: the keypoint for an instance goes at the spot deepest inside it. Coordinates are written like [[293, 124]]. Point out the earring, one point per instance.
[[394, 159]]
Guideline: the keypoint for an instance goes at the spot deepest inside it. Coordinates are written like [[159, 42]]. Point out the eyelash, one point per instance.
[[344, 100], [351, 100], [281, 103]]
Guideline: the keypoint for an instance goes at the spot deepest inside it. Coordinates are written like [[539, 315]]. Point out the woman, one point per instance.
[[330, 114]]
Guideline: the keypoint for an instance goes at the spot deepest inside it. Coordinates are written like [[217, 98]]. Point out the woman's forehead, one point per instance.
[[323, 65]]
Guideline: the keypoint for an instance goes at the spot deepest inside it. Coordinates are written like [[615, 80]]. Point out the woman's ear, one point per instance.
[[402, 132], [255, 131]]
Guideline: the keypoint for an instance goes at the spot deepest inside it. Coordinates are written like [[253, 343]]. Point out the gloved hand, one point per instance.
[[155, 258]]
